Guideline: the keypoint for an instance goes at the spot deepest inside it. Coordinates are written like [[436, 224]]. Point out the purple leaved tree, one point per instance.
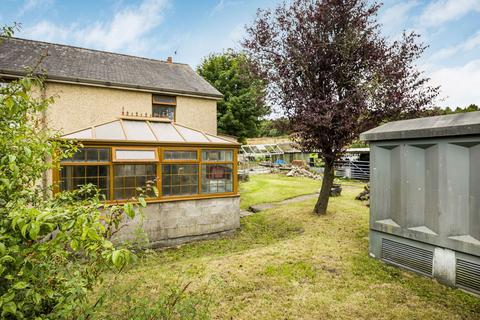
[[334, 75]]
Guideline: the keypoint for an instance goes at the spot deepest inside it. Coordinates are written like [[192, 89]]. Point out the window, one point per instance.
[[164, 112], [73, 177], [159, 99], [133, 180], [179, 179], [164, 106], [217, 155], [180, 155], [217, 178], [93, 171], [126, 172], [135, 155], [90, 155]]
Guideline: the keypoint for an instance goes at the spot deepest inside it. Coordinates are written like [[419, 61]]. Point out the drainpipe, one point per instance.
[[43, 96]]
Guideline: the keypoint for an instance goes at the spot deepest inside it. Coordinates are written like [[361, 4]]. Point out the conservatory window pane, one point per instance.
[[180, 155], [90, 155], [73, 177], [166, 132], [217, 155], [217, 139], [134, 180], [84, 134], [110, 131], [179, 179], [135, 154], [138, 130], [191, 135], [103, 155], [217, 178]]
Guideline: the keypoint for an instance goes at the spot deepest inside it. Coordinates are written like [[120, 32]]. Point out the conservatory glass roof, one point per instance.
[[261, 150], [139, 129]]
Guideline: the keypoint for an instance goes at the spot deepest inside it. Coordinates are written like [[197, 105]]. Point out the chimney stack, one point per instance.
[[169, 60]]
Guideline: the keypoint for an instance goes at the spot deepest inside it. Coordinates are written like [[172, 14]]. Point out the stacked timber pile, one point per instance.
[[301, 172]]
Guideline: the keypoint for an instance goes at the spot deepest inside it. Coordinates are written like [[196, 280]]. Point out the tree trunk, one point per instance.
[[327, 182]]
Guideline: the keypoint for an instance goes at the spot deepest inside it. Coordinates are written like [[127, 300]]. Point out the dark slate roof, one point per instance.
[[459, 124], [67, 63]]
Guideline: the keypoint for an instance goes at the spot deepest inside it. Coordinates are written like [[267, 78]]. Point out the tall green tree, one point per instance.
[[275, 127], [243, 106]]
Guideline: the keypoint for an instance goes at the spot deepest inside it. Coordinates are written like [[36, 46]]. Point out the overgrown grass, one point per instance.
[[286, 263], [265, 188]]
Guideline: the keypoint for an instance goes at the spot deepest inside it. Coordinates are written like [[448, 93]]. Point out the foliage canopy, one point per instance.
[[240, 111]]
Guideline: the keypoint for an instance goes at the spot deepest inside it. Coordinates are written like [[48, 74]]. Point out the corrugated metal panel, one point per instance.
[[468, 275], [413, 258]]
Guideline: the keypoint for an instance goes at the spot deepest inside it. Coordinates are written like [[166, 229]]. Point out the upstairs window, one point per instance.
[[164, 106]]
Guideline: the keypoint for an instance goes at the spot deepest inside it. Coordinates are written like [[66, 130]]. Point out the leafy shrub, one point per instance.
[[53, 249]]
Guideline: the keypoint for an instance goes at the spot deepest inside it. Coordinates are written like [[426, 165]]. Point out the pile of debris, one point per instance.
[[301, 172], [365, 194]]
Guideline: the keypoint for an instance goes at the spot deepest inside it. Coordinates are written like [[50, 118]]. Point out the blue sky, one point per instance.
[[188, 30]]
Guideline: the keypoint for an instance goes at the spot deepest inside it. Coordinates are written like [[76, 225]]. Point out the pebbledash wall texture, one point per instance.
[[77, 107], [173, 223]]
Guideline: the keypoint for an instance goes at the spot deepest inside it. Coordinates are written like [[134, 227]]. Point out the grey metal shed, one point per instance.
[[425, 196]]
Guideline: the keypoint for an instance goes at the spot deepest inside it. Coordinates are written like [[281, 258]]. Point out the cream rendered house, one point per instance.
[[93, 86], [145, 124]]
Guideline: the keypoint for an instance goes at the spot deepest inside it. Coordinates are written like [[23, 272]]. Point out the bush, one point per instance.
[[53, 249]]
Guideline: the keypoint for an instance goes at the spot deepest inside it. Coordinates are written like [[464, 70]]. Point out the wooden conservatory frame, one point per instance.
[[158, 147]]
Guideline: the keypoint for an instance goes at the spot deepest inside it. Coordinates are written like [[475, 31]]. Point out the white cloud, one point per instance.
[[441, 11], [223, 4], [471, 43], [459, 84], [236, 34], [126, 31], [30, 5], [394, 17], [46, 31], [126, 28], [218, 7]]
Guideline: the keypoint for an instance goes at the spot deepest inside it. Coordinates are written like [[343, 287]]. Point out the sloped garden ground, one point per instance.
[[284, 263]]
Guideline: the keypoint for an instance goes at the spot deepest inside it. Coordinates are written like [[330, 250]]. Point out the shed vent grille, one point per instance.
[[468, 275], [403, 255]]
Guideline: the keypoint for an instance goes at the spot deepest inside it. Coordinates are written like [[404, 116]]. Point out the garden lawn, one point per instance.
[[284, 263], [264, 188]]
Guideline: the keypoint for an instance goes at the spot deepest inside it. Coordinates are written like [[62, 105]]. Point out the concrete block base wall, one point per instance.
[[172, 223], [449, 267]]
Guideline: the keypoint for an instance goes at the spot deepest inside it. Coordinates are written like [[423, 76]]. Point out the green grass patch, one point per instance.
[[264, 188], [298, 270], [256, 231], [284, 263]]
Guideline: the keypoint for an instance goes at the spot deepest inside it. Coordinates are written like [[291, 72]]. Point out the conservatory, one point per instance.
[[195, 174]]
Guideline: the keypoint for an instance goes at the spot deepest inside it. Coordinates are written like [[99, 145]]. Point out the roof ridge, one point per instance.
[[97, 50]]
